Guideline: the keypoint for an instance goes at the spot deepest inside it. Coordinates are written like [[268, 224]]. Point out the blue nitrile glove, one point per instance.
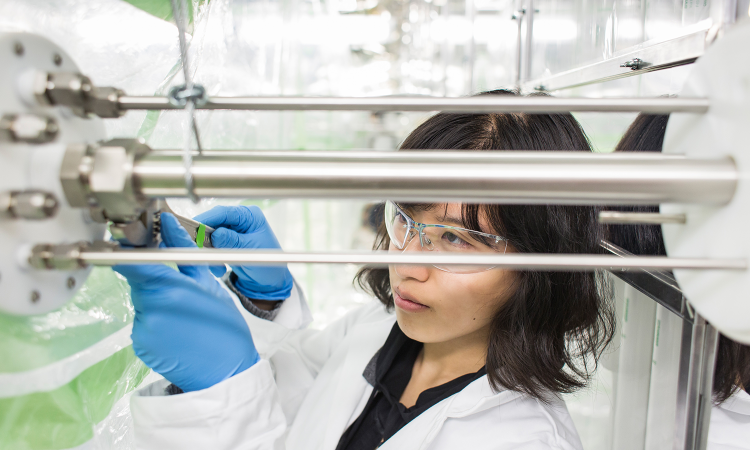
[[186, 327], [246, 227]]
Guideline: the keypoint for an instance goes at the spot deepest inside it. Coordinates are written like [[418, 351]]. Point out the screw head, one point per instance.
[[35, 296], [57, 59], [18, 48], [71, 283]]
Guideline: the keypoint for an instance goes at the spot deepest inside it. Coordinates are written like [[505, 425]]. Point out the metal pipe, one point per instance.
[[561, 262], [629, 218], [429, 176], [486, 104]]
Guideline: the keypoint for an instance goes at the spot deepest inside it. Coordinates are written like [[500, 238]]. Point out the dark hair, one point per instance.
[[549, 335], [646, 134]]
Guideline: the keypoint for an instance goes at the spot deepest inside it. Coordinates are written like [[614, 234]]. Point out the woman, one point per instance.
[[730, 417], [451, 357]]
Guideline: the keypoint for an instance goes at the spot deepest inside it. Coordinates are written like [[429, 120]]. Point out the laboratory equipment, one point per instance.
[[62, 184]]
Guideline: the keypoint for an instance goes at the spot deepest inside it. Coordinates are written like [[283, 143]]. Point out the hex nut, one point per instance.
[[74, 171], [110, 181], [68, 89], [33, 205], [104, 102]]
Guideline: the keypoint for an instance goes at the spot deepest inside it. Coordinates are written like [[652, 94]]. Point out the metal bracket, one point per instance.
[[634, 64], [659, 285]]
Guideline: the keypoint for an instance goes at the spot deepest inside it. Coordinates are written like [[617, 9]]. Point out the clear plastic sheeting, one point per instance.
[[100, 308], [568, 35]]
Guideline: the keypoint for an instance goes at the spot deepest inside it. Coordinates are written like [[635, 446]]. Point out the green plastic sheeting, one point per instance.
[[101, 307], [65, 417], [163, 8]]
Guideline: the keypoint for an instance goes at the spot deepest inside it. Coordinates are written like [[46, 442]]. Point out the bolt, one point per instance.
[[35, 296], [57, 59], [18, 48], [71, 282]]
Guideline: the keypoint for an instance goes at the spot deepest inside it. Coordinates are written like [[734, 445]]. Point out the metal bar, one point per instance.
[[433, 176], [659, 285], [561, 262], [708, 364], [694, 404], [621, 218], [684, 399], [657, 55], [528, 49], [518, 17], [485, 104]]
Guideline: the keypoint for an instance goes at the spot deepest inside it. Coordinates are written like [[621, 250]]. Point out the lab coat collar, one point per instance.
[[474, 398], [477, 397], [738, 403]]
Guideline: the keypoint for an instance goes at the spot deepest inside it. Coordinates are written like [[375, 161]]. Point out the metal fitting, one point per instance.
[[29, 205], [28, 128], [142, 232], [58, 257], [66, 256], [101, 176], [77, 92]]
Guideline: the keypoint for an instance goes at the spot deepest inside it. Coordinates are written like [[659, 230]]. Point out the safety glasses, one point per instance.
[[402, 229]]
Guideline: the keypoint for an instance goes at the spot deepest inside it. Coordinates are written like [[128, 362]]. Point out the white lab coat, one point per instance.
[[309, 388], [729, 427]]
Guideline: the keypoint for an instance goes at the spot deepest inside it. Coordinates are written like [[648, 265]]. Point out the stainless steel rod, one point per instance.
[[658, 105], [558, 262], [621, 218], [430, 176]]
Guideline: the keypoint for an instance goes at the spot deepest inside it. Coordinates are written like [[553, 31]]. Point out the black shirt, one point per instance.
[[389, 372]]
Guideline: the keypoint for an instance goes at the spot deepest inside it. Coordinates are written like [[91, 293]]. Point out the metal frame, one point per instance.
[[694, 396], [655, 55], [657, 284]]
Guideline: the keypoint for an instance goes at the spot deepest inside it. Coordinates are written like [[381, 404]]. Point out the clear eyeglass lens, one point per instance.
[[399, 226], [401, 230]]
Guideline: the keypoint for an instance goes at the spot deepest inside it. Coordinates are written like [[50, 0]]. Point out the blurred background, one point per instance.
[[325, 48]]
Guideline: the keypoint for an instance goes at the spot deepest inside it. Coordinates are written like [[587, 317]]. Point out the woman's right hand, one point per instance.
[[246, 227], [187, 327]]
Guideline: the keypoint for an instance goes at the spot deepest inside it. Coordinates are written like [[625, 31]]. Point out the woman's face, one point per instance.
[[434, 306]]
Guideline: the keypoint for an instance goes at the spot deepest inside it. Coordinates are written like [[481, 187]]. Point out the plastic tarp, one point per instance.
[[62, 372]]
